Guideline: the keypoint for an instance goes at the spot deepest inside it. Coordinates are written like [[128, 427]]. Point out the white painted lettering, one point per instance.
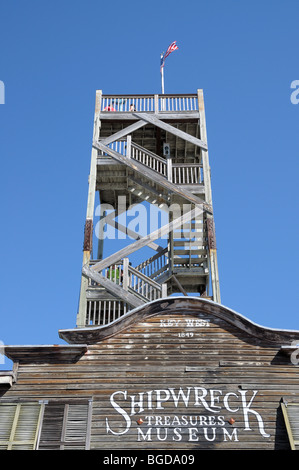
[[146, 436], [192, 434], [206, 432], [180, 395], [211, 401], [137, 403], [120, 411], [160, 400], [247, 410], [201, 398], [177, 434], [230, 436], [214, 398], [225, 402], [160, 434]]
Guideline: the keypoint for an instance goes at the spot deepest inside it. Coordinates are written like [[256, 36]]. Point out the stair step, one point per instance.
[[193, 252], [188, 244], [146, 196]]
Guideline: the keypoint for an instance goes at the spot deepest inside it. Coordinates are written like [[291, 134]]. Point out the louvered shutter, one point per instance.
[[19, 425], [50, 437], [65, 426], [291, 417], [76, 428]]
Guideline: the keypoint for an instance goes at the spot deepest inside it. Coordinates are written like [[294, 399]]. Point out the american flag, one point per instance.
[[171, 48]]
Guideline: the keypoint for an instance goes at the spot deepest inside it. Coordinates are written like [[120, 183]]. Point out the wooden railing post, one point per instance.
[[129, 145], [156, 100], [125, 273], [164, 291], [169, 168]]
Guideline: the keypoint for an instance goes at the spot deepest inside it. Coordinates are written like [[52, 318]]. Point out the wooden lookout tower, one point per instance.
[[148, 150], [155, 360]]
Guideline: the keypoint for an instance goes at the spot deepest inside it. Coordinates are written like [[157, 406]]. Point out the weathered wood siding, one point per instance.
[[177, 381]]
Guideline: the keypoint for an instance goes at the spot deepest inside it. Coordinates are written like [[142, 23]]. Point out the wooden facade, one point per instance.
[[155, 361], [176, 374]]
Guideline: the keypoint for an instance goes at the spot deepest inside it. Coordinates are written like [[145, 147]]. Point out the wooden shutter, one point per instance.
[[19, 425], [291, 417], [65, 426], [76, 429]]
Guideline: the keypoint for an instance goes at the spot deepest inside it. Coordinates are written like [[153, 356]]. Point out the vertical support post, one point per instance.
[[164, 291], [129, 146], [156, 98], [100, 234], [169, 168], [170, 244], [208, 193], [87, 248], [125, 273]]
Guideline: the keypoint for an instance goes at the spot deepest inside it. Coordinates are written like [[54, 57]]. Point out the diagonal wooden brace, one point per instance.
[[144, 241], [110, 286], [150, 118], [110, 220], [124, 132]]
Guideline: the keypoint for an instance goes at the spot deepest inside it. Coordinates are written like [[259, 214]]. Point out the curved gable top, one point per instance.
[[178, 306]]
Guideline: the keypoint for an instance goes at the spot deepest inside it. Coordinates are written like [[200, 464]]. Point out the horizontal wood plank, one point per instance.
[[174, 355]]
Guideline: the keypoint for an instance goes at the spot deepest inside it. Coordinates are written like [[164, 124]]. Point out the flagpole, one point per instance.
[[162, 76]]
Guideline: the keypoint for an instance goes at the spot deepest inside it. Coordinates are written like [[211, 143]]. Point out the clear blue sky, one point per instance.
[[56, 54]]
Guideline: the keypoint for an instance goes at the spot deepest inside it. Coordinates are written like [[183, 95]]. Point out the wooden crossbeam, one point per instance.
[[153, 175], [110, 220], [124, 132], [112, 287], [144, 241], [179, 285], [134, 235], [150, 118]]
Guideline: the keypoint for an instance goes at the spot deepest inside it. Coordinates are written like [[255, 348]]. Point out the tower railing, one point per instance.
[[187, 173], [102, 308], [131, 279], [178, 173], [104, 311], [149, 103], [155, 265], [149, 159]]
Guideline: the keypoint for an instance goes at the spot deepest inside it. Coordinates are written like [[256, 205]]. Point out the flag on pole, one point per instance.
[[170, 49]]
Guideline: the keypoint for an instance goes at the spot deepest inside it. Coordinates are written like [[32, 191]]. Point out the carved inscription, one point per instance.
[[186, 324]]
